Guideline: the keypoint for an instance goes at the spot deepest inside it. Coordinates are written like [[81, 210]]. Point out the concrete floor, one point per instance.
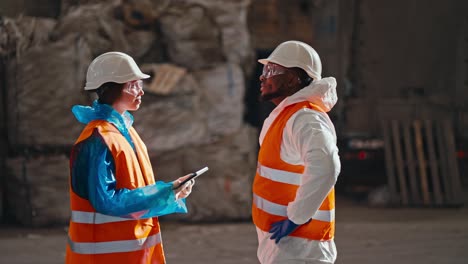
[[364, 235]]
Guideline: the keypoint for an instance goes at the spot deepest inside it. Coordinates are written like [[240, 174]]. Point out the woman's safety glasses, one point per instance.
[[271, 69], [134, 87]]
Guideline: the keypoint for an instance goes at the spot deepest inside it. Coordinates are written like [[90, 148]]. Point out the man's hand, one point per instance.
[[281, 229]]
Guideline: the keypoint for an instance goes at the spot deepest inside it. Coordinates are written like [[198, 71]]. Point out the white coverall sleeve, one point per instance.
[[314, 140]]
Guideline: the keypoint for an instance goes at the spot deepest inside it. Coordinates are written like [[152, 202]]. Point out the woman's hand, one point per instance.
[[184, 190]]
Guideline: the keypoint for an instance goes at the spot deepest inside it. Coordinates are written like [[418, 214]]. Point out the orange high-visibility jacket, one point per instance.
[[276, 183], [99, 238]]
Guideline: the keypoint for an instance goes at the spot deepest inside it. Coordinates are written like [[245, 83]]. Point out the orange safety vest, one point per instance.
[[276, 183], [99, 238]]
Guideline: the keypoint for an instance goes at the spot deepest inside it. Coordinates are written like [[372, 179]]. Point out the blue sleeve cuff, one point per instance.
[[166, 206]]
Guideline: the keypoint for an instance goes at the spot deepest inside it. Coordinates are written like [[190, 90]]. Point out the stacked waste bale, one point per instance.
[[197, 52], [42, 82], [199, 122], [37, 189]]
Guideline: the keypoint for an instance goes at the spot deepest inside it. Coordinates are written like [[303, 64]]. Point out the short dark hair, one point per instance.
[[304, 78], [109, 92]]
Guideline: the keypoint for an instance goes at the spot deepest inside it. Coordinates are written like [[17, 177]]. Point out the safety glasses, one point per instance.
[[271, 69], [134, 87]]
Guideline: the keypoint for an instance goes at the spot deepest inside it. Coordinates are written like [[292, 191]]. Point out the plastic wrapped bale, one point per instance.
[[224, 192], [172, 121], [192, 36], [231, 16], [37, 190], [228, 28], [67, 5], [103, 31], [222, 91], [140, 13], [43, 84], [20, 34]]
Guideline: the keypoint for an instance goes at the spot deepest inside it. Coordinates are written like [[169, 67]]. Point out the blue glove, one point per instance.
[[281, 229]]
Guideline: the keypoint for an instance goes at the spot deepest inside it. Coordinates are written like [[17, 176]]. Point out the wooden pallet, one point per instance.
[[421, 163]]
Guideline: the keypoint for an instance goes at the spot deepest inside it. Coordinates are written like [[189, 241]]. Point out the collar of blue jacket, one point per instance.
[[98, 111]]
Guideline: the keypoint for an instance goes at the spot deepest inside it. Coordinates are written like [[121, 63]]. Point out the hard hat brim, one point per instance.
[[267, 60], [263, 61], [311, 74], [93, 86]]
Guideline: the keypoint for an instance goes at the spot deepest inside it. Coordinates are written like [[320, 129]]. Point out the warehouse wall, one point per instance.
[[406, 52]]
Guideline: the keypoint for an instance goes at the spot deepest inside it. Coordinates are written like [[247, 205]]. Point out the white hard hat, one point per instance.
[[112, 66], [297, 54]]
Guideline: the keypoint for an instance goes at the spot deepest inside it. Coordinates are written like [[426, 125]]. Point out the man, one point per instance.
[[115, 201], [298, 163]]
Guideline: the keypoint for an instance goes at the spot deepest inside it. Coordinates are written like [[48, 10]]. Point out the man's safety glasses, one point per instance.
[[271, 69]]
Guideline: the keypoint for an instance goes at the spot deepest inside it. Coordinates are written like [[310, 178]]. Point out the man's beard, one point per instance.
[[282, 91], [270, 96]]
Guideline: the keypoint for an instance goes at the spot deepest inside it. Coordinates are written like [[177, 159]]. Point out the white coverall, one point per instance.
[[309, 139]]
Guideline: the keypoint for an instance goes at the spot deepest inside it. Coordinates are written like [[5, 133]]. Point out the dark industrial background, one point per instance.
[[401, 118]]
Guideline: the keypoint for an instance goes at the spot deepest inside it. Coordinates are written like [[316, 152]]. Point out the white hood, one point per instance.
[[321, 93]]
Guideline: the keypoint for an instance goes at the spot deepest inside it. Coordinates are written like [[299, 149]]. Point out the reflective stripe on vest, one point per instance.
[[114, 246], [281, 210], [276, 183], [279, 175], [100, 238], [95, 218]]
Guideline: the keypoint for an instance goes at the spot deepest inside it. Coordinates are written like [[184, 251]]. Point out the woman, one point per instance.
[[115, 200]]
